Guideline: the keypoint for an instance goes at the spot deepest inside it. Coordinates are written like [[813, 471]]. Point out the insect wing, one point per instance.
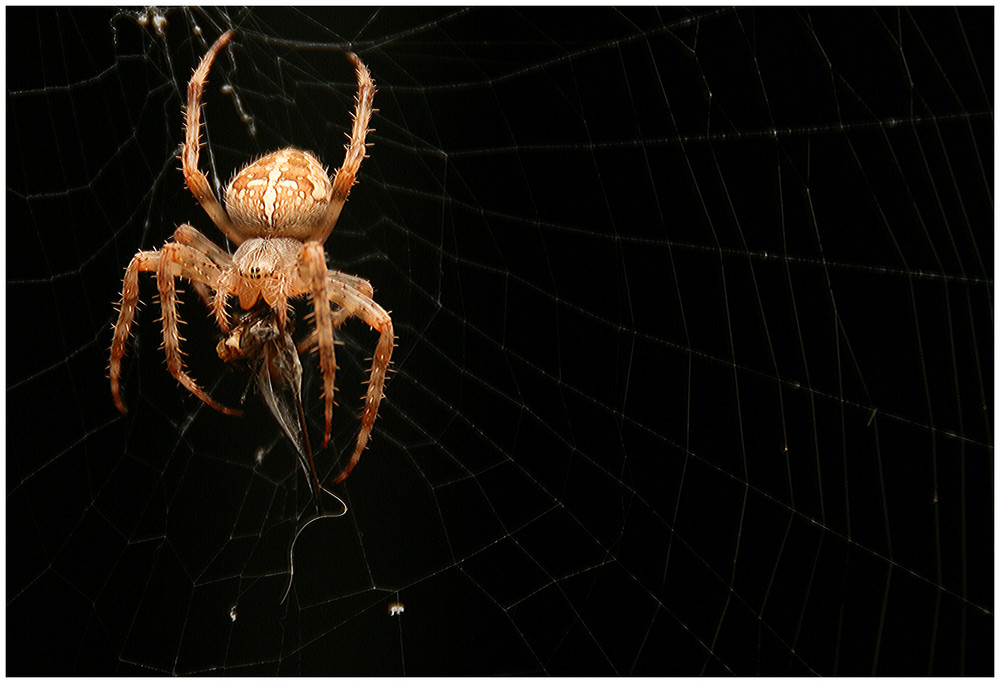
[[271, 355]]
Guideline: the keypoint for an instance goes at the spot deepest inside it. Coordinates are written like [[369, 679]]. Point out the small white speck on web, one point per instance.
[[228, 89], [159, 23], [232, 613], [396, 608], [152, 15]]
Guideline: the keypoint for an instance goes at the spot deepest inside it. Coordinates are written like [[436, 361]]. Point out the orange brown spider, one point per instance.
[[279, 210]]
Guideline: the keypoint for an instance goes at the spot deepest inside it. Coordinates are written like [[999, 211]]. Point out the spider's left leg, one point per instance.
[[180, 260], [314, 276]]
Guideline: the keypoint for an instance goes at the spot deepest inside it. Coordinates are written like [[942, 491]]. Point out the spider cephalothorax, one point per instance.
[[279, 210]]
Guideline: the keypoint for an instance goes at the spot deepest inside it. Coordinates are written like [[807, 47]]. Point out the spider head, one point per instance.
[[260, 259], [282, 194]]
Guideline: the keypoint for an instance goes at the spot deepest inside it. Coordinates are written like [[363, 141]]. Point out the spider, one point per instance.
[[279, 210]]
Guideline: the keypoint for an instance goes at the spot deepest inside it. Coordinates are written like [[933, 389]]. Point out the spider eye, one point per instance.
[[252, 272]]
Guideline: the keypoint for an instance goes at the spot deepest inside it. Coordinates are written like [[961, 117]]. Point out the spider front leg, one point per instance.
[[196, 181], [354, 153]]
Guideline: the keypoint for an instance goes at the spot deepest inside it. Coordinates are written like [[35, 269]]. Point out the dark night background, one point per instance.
[[695, 347]]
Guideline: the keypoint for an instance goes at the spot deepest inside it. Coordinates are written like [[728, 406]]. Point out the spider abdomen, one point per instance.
[[282, 194]]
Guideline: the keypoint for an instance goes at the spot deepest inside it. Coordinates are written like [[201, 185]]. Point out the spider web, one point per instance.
[[694, 364]]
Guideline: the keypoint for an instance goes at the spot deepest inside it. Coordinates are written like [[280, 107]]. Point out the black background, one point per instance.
[[694, 369]]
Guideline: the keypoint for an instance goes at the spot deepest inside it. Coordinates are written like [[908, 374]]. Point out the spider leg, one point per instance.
[[144, 261], [181, 260], [343, 292], [338, 315], [188, 235], [337, 318], [355, 154], [196, 181], [313, 261], [363, 287], [222, 291], [205, 294]]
